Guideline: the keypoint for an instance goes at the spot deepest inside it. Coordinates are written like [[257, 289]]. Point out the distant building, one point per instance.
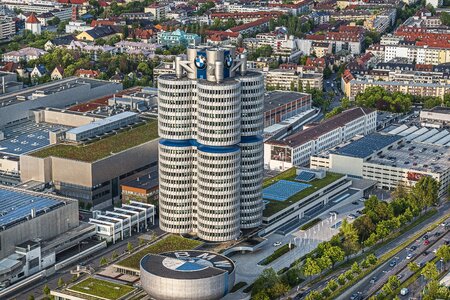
[[33, 24], [77, 26], [38, 71], [158, 10], [7, 27], [284, 79], [436, 117], [178, 37], [142, 187], [24, 54], [99, 32]]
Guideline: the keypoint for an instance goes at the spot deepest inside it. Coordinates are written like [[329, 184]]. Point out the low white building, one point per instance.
[[436, 117], [122, 222], [296, 149], [78, 26]]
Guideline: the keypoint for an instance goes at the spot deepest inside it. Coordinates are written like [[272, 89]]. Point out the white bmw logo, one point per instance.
[[200, 61], [228, 61]]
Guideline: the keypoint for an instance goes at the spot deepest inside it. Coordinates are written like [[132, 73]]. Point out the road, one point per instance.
[[333, 85], [382, 273]]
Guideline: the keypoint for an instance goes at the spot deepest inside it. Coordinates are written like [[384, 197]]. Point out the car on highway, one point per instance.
[[399, 276], [404, 291], [413, 248], [425, 237], [438, 233], [426, 242], [409, 256], [356, 296], [393, 263], [373, 280], [435, 250], [446, 242], [276, 244], [355, 203]]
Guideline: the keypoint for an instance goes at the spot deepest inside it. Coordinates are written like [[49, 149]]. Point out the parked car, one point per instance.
[[276, 244]]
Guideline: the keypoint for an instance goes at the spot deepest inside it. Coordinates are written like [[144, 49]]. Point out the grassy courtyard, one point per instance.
[[170, 243], [101, 288], [103, 147], [275, 206]]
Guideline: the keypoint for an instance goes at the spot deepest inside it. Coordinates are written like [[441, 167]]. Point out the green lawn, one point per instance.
[[170, 243], [275, 206], [103, 147], [101, 288]]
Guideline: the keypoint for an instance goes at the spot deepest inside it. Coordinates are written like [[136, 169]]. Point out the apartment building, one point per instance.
[[296, 149], [245, 17], [285, 79], [7, 27]]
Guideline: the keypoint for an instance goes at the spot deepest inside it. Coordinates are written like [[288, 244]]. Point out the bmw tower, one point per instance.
[[210, 115]]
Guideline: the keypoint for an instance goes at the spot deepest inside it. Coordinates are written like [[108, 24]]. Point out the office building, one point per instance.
[[7, 27], [390, 159], [210, 153], [296, 149]]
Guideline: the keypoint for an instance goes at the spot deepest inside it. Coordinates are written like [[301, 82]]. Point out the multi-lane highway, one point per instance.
[[419, 252]]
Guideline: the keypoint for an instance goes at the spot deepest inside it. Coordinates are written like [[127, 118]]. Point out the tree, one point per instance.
[[268, 278], [314, 295], [432, 102], [30, 297], [114, 255], [433, 290], [341, 279], [130, 247], [430, 271], [324, 262], [391, 285], [103, 261], [355, 268], [350, 243], [445, 18], [413, 267], [332, 285], [46, 290], [261, 295], [277, 290], [311, 267], [60, 282], [372, 259], [444, 253], [426, 191], [335, 253], [364, 226]]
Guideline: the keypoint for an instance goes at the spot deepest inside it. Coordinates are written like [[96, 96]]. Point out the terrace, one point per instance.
[[104, 147], [274, 206], [170, 243], [94, 288]]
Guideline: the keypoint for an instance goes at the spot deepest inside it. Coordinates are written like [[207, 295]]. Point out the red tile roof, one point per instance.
[[32, 19], [250, 25]]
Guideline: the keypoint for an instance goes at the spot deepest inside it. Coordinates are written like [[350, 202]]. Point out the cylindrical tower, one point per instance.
[[218, 192], [211, 151], [219, 113], [252, 96]]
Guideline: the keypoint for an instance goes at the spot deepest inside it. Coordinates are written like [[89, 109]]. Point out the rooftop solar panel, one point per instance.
[[16, 206], [367, 145]]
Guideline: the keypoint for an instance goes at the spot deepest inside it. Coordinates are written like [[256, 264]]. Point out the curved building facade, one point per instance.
[[187, 275], [211, 149]]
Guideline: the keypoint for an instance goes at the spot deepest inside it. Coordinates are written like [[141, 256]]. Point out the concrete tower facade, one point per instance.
[[211, 149]]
